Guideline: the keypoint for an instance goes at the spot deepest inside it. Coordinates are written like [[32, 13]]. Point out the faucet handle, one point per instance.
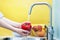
[[50, 32]]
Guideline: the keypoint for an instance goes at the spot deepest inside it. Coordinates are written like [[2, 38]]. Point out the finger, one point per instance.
[[26, 31], [26, 22], [23, 34]]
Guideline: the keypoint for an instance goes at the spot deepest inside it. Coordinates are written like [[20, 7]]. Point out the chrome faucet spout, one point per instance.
[[50, 28]]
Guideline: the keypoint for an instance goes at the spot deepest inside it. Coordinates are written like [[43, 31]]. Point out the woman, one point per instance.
[[11, 25]]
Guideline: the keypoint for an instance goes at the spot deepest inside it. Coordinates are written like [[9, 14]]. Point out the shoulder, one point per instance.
[[1, 15]]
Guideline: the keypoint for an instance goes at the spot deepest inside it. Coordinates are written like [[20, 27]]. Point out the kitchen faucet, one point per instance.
[[50, 30]]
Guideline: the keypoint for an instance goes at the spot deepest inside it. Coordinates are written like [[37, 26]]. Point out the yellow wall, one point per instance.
[[17, 10]]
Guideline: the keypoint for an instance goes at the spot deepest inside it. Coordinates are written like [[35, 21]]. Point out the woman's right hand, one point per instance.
[[22, 32]]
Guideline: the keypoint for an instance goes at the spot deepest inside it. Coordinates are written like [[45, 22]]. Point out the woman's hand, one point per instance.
[[22, 32]]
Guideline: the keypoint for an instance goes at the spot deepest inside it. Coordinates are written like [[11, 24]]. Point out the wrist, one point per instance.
[[19, 26], [17, 30]]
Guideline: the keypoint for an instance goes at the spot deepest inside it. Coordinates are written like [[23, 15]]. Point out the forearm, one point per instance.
[[15, 24], [6, 25]]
